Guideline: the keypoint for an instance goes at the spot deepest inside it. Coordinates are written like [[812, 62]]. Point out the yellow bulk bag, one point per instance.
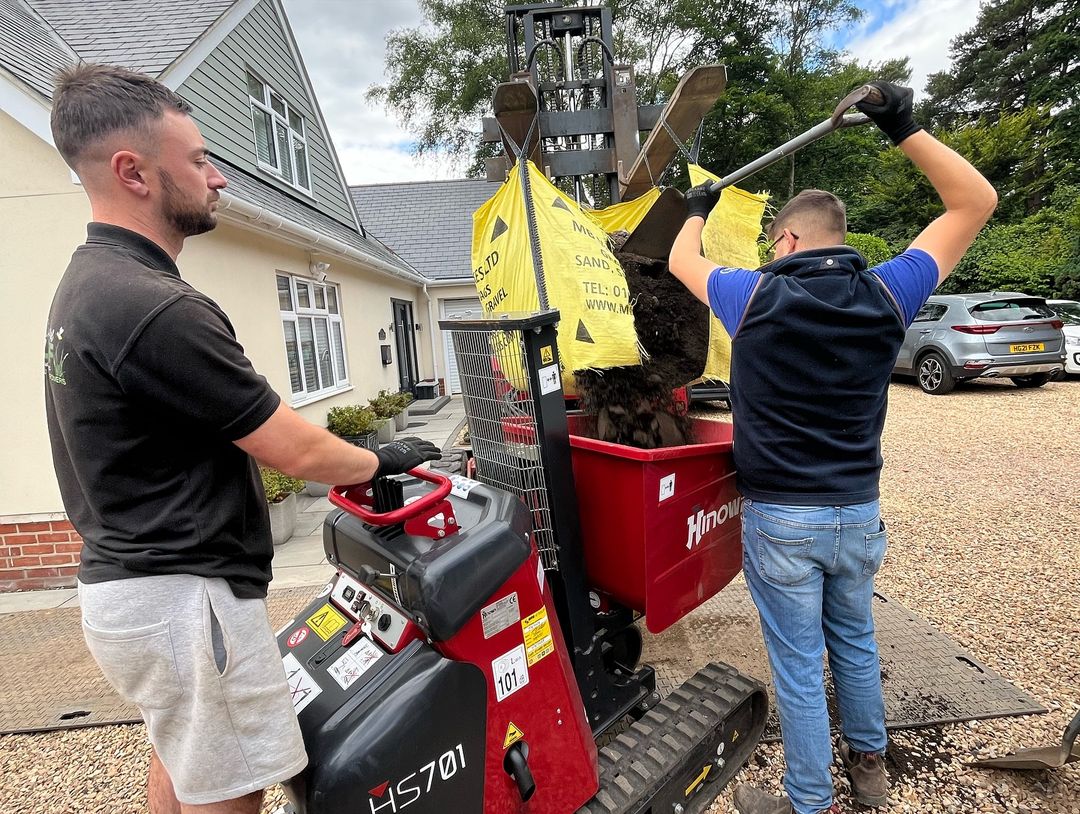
[[625, 216], [555, 242], [729, 239]]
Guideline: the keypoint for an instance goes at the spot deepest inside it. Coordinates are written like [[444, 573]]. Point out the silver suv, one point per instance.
[[964, 336]]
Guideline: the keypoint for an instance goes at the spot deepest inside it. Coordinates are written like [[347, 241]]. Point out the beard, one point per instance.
[[184, 216]]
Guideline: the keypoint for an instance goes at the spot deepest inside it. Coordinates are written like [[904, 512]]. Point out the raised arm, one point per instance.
[[968, 197]]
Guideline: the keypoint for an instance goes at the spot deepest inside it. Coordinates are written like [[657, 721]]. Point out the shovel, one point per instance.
[[1043, 757], [656, 233]]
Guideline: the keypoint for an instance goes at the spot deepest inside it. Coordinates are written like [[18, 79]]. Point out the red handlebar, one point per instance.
[[340, 497]]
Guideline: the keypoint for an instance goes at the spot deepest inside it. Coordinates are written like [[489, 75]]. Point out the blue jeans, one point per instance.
[[811, 570]]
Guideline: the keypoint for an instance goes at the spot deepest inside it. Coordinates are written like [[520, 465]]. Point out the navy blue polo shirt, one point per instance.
[[815, 336]]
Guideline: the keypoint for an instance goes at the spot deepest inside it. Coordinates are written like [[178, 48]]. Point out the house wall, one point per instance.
[[218, 91], [43, 216]]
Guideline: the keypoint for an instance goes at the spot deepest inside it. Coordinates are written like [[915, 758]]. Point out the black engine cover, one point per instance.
[[411, 734]]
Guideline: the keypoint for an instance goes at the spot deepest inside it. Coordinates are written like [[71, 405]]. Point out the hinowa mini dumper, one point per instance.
[[480, 636]]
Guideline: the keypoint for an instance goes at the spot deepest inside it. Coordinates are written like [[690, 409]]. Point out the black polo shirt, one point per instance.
[[146, 388]]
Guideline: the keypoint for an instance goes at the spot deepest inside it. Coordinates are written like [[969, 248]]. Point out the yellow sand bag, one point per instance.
[[625, 216], [729, 239], [569, 254]]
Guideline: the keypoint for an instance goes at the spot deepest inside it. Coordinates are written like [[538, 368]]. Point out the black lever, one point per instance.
[[388, 495], [516, 764]]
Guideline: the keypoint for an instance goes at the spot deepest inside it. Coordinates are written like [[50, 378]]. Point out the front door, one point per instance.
[[406, 344]]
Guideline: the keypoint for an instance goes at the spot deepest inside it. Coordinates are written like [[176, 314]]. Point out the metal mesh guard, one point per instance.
[[501, 413]]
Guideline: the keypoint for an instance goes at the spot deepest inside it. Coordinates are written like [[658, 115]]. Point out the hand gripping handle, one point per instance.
[[342, 497]]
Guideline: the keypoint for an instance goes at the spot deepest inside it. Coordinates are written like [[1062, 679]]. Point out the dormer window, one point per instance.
[[280, 135]]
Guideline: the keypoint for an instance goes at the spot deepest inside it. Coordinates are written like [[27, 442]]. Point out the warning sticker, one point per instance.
[[356, 661], [513, 735], [498, 616], [326, 622], [549, 379], [547, 356], [297, 636], [302, 686], [537, 633], [462, 485]]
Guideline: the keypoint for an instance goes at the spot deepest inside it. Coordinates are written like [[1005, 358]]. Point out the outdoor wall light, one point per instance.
[[382, 335], [318, 271]]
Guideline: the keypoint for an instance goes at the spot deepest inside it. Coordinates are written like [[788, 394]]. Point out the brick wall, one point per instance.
[[41, 554]]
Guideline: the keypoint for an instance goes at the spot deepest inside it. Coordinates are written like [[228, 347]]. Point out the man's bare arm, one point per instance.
[[297, 447], [686, 261], [968, 197]]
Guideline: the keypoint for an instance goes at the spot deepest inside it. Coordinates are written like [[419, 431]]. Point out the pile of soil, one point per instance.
[[634, 405]]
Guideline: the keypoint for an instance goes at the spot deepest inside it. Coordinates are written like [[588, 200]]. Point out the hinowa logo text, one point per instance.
[[700, 524]]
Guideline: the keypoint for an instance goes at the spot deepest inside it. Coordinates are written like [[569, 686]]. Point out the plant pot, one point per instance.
[[401, 420], [283, 519], [369, 440], [385, 429], [316, 489]]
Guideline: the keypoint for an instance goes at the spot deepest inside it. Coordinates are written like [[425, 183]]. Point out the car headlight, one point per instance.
[[1072, 340]]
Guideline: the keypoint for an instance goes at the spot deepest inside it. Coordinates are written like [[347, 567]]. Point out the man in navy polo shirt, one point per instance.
[[815, 334]]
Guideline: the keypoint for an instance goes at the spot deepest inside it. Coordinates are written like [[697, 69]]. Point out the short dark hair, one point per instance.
[[92, 101], [813, 210]]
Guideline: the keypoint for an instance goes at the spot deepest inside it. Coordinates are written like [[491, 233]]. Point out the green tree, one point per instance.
[[1019, 55], [897, 201]]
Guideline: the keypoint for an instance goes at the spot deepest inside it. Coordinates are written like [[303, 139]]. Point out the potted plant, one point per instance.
[[354, 423], [385, 407], [401, 417], [280, 490]]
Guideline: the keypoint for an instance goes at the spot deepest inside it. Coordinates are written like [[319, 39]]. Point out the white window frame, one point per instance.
[[277, 119], [336, 341]]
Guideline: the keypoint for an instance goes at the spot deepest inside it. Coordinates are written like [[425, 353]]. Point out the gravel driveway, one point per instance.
[[980, 493]]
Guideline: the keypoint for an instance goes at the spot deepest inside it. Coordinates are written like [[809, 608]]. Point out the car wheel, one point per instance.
[[1034, 380], [934, 375]]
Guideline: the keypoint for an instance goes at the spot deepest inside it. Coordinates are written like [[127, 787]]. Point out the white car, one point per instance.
[[1069, 312]]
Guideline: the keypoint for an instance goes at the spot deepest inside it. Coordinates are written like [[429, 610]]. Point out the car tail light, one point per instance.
[[1057, 324], [976, 329]]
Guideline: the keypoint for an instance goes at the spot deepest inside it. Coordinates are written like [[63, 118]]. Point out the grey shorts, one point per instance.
[[204, 669]]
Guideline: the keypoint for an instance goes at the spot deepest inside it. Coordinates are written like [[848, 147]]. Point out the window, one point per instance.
[[1011, 310], [314, 337], [931, 312], [280, 135]]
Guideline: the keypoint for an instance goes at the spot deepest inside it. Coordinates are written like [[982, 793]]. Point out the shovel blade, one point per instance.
[[657, 231], [1046, 757]]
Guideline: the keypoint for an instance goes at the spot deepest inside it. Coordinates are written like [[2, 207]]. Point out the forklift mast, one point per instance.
[[587, 114]]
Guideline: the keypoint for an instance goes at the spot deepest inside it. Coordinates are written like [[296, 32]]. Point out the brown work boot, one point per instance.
[[750, 800], [867, 773]]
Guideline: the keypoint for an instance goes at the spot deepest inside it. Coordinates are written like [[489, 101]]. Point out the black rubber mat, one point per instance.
[[926, 677], [52, 682]]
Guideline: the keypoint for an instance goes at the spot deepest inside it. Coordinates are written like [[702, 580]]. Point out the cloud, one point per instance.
[[343, 45], [918, 29]]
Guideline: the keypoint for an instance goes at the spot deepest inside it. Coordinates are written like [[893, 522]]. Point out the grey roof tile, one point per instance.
[[146, 35], [255, 191], [428, 223], [29, 49]]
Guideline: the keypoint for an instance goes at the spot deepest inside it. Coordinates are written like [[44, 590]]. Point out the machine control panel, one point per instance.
[[385, 623]]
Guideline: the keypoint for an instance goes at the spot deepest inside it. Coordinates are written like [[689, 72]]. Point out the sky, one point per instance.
[[343, 45]]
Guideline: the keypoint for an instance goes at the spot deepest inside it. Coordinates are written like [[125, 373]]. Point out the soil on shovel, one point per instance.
[[634, 405]]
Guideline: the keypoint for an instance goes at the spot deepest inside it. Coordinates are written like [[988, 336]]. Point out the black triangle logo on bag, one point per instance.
[[500, 228], [559, 203], [583, 334]]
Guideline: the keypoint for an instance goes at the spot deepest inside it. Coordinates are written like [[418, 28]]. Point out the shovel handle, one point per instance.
[[839, 120], [1071, 732]]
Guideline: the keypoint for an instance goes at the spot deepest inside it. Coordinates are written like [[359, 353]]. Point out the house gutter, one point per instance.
[[248, 214]]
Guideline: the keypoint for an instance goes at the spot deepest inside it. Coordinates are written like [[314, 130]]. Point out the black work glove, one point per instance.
[[401, 456], [700, 200], [893, 115]]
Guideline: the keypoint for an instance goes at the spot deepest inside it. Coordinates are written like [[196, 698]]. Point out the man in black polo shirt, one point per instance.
[[815, 335], [156, 420]]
